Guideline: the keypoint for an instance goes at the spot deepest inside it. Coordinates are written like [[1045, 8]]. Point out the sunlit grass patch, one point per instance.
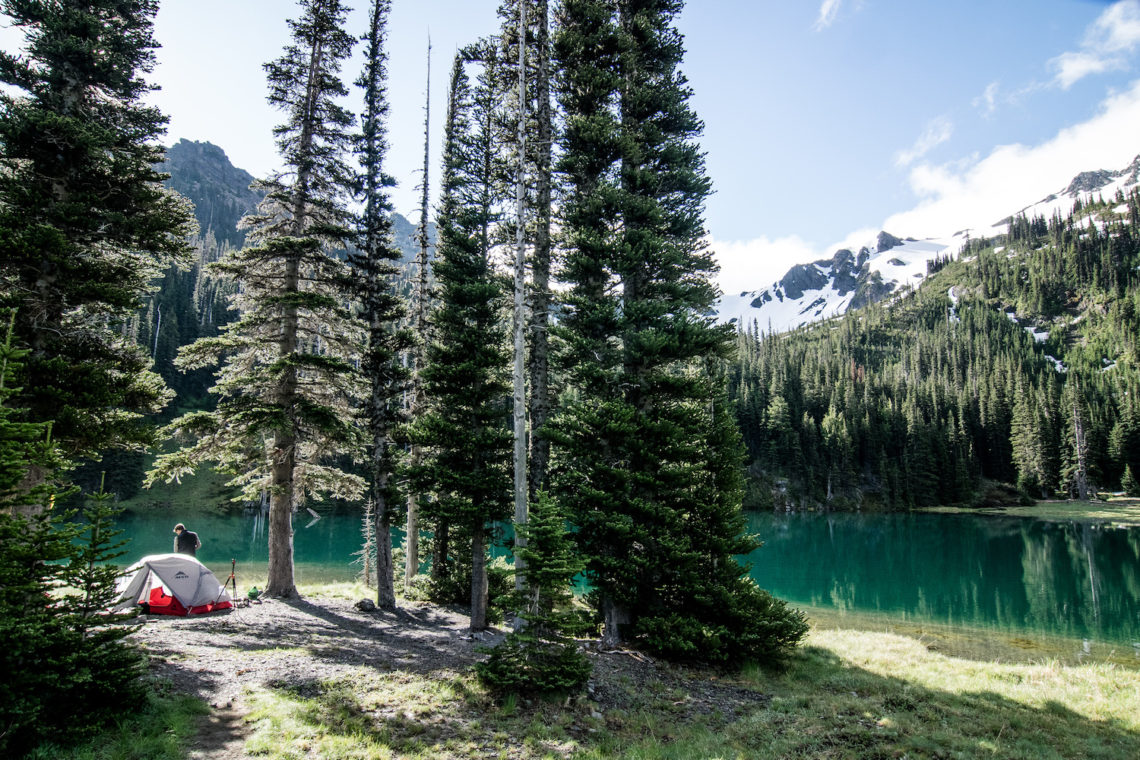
[[350, 590], [375, 715], [314, 720], [1122, 511], [857, 694]]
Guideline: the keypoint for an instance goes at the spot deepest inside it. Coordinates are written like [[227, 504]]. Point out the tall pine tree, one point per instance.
[[288, 389], [85, 224], [376, 267], [463, 431], [637, 461]]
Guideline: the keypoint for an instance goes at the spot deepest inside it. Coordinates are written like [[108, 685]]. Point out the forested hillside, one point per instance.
[[188, 302], [1015, 364]]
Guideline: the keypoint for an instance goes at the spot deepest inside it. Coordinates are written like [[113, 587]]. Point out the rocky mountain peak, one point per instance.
[[220, 191], [1088, 182], [1133, 171], [886, 241]]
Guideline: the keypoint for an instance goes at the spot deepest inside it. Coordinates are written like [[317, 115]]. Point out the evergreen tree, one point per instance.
[[542, 656], [288, 389], [29, 549], [1075, 461], [463, 434], [635, 442], [66, 671], [85, 224], [376, 268], [1129, 483], [415, 357], [524, 173]]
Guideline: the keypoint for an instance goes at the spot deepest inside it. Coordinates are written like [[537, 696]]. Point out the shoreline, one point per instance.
[[1121, 512]]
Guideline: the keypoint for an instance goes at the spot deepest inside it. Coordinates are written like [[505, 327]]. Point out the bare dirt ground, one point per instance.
[[289, 643]]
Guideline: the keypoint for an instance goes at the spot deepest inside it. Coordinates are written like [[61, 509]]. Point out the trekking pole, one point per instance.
[[222, 590]]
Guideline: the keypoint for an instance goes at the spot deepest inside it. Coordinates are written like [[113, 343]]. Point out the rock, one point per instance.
[[886, 241], [365, 605]]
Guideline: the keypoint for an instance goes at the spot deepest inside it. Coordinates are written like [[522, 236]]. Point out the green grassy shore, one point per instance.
[[897, 692], [1117, 510]]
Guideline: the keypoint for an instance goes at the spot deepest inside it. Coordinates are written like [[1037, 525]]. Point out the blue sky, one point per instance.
[[826, 120]]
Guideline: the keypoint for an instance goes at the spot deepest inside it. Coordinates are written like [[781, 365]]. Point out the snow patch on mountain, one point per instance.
[[829, 287], [883, 267]]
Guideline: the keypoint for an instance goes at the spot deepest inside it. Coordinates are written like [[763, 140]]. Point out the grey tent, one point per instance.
[[172, 584]]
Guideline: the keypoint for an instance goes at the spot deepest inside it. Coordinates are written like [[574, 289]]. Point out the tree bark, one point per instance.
[[419, 325], [478, 578], [520, 317], [614, 616], [441, 546], [281, 497], [540, 268], [385, 583]]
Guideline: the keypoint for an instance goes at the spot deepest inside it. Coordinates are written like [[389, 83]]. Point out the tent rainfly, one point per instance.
[[172, 584]]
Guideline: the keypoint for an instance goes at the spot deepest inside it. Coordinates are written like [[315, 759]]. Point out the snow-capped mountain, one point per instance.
[[849, 279], [829, 287], [1097, 184]]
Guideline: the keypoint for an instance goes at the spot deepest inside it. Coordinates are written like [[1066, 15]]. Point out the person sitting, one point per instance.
[[186, 541]]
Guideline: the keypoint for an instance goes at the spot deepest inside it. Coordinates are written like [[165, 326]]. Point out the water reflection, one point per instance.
[[1069, 579]]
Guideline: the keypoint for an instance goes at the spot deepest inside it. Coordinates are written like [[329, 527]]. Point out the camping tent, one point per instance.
[[172, 584]]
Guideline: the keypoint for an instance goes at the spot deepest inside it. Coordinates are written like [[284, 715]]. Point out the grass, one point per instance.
[[908, 692], [1122, 511], [854, 694], [846, 694], [160, 731]]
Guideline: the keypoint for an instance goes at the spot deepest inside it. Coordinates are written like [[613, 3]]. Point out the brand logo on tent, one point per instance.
[[180, 576]]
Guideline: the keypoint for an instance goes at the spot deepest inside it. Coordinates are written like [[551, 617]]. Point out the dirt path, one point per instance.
[[280, 644]]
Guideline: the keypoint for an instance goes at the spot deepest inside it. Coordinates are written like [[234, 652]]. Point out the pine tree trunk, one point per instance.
[[441, 546], [280, 581], [385, 575], [478, 578], [1081, 474], [520, 316], [540, 275], [419, 325], [614, 616]]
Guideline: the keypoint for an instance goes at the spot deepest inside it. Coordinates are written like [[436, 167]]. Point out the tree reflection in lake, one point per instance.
[[1070, 579]]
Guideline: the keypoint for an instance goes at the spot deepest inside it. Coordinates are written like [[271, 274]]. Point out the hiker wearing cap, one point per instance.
[[185, 541]]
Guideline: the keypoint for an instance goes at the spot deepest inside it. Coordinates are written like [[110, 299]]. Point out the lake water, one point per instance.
[[1015, 575]]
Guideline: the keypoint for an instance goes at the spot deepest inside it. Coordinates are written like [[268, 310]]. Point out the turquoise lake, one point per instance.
[[1015, 575]]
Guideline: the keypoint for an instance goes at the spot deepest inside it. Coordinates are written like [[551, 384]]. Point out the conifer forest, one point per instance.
[[1012, 367]]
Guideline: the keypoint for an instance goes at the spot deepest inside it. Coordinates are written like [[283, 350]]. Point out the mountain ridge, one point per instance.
[[888, 264]]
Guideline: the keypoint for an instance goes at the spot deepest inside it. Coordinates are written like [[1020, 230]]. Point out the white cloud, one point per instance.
[[755, 264], [987, 101], [972, 193], [937, 132], [1118, 28], [1073, 67], [827, 13], [1107, 44], [978, 193]]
